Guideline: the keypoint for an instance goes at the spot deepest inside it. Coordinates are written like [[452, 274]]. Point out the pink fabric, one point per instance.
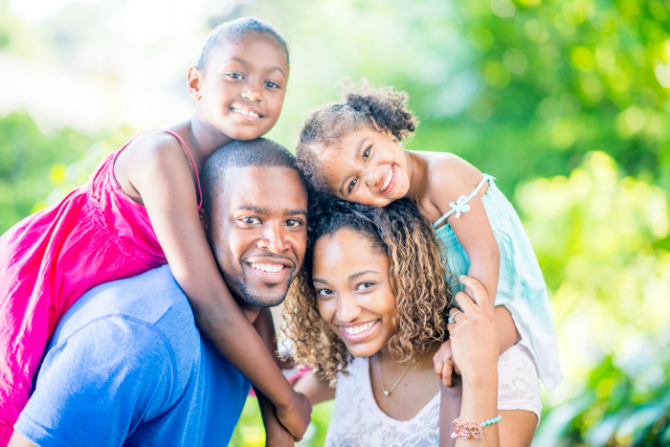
[[48, 260]]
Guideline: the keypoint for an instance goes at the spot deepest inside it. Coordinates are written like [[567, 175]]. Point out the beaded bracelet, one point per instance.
[[465, 429]]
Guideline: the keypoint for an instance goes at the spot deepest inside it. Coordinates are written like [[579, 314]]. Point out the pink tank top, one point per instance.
[[96, 234]]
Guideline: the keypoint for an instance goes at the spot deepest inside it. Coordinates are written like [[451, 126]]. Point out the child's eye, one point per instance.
[[270, 84], [323, 292], [366, 154], [364, 286], [236, 76], [352, 184]]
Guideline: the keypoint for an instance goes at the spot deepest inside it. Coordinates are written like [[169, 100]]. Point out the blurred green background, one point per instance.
[[564, 101]]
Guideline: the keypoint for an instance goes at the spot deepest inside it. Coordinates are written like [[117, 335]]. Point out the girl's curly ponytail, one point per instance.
[[387, 106]]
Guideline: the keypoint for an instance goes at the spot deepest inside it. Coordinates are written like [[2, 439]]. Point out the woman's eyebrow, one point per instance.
[[356, 275], [319, 280]]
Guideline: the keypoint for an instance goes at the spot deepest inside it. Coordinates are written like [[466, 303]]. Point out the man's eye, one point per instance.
[[235, 76], [323, 292], [366, 154], [364, 286], [250, 220], [293, 223], [270, 84], [352, 184]]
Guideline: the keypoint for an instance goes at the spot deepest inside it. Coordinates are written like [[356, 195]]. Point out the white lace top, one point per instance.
[[359, 422]]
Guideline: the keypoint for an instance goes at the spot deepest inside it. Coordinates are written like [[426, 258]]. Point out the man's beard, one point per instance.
[[246, 297]]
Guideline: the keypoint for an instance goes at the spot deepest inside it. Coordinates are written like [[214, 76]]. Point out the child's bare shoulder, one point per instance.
[[451, 174], [148, 156], [154, 147]]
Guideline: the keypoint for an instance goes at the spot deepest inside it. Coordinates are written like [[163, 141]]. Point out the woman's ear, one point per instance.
[[382, 130], [194, 83]]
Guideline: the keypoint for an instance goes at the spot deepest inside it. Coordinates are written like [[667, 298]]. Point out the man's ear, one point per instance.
[[382, 130], [194, 83], [204, 219]]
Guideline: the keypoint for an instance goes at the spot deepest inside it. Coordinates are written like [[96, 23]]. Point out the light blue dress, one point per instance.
[[521, 287]]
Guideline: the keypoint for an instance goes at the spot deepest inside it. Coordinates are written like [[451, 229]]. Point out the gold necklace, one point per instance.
[[387, 393]]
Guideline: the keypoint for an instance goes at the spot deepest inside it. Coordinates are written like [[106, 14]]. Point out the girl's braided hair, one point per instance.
[[417, 275], [363, 105]]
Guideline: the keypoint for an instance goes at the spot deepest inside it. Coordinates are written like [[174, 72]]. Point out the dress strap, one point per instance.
[[461, 205], [195, 168]]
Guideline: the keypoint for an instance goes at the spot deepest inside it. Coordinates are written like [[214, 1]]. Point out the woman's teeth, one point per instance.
[[246, 112], [355, 330], [389, 177], [269, 268]]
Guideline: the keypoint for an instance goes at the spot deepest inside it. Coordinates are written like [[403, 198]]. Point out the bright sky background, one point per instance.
[[115, 62]]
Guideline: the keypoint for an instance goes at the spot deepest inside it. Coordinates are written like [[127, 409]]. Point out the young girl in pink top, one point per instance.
[[140, 210]]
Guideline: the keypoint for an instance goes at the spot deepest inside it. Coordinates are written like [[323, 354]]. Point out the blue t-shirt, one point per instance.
[[127, 366]]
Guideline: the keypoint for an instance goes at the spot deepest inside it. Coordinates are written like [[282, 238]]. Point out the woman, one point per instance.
[[367, 313]]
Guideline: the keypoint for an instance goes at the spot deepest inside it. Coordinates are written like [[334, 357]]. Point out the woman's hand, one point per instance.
[[474, 337], [474, 344]]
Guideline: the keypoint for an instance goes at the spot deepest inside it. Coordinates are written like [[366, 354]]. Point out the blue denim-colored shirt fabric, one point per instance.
[[521, 286], [127, 366]]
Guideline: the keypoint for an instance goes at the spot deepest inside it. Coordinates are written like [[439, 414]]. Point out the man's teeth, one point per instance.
[[355, 330], [269, 268], [389, 177], [246, 112]]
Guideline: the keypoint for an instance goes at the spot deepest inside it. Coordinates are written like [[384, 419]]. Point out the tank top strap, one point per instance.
[[461, 205], [195, 168]]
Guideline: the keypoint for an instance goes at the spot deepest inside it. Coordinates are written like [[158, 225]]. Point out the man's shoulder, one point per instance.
[[152, 299]]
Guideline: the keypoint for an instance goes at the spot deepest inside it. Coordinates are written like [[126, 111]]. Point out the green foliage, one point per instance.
[[624, 402], [557, 79], [31, 164], [249, 431], [602, 242]]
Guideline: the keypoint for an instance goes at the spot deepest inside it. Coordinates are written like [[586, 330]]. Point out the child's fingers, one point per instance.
[[446, 374], [438, 364], [456, 370]]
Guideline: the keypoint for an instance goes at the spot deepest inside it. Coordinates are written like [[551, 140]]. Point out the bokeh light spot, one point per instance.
[[497, 75], [592, 88], [536, 30], [662, 73], [515, 61], [582, 58], [480, 110], [503, 8]]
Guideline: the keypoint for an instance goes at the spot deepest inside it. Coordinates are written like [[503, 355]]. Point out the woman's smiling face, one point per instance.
[[366, 166], [353, 292]]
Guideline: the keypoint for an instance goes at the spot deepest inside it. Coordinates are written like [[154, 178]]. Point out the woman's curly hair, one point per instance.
[[362, 103], [417, 275]]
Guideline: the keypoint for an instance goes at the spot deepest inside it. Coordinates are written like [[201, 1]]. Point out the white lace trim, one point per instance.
[[358, 421]]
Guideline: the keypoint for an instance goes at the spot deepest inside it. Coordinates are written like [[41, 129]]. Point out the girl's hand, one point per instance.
[[278, 436], [474, 337], [296, 417], [444, 364]]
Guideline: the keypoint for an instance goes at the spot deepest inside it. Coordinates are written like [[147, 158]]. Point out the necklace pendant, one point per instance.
[[387, 393]]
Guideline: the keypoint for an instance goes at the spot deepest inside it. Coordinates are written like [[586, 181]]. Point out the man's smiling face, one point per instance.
[[258, 232]]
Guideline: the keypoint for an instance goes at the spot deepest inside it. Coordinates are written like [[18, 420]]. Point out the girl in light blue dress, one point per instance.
[[352, 150]]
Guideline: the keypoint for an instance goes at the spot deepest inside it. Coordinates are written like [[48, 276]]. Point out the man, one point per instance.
[[127, 365]]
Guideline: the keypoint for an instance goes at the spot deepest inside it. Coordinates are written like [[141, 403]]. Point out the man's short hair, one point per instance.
[[240, 154]]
